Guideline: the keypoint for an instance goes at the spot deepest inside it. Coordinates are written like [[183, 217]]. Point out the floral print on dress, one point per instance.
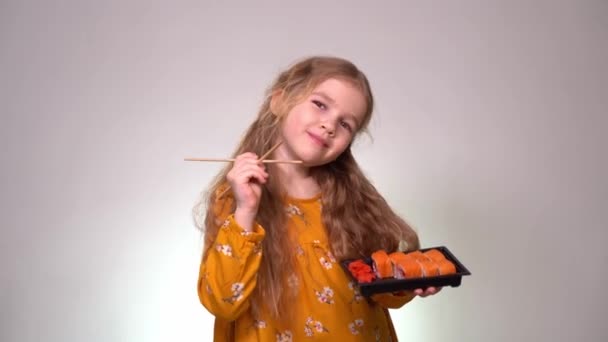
[[204, 277], [327, 261], [357, 297], [285, 336], [311, 326], [293, 281], [331, 257], [237, 293], [294, 210], [326, 296], [326, 264], [353, 326], [257, 249], [260, 324], [318, 289], [224, 249]]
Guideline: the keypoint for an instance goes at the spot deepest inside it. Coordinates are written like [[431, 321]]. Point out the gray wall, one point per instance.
[[489, 137]]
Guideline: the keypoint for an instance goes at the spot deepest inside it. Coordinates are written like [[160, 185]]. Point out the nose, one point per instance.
[[329, 128]]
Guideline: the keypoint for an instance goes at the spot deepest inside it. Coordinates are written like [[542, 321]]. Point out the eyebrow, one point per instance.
[[332, 101]]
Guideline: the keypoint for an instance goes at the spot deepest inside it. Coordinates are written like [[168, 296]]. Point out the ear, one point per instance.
[[276, 101]]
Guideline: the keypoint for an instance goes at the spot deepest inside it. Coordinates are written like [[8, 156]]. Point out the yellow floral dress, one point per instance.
[[328, 306]]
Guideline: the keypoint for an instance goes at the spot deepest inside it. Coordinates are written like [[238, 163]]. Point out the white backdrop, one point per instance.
[[489, 137]]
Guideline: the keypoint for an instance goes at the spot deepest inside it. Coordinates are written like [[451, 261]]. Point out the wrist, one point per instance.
[[245, 218]]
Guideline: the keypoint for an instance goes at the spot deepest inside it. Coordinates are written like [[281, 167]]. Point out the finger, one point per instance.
[[418, 292], [248, 161], [245, 158], [247, 155], [248, 173], [430, 291], [250, 167], [244, 175]]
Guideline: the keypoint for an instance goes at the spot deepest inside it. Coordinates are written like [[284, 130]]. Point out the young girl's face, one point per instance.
[[318, 129]]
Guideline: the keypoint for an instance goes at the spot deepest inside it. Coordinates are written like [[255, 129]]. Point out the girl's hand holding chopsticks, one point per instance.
[[227, 160], [261, 159], [246, 178]]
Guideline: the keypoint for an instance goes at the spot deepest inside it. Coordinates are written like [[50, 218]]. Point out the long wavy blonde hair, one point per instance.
[[357, 219]]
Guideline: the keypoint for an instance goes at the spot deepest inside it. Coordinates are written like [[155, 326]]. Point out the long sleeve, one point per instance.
[[393, 301], [228, 270]]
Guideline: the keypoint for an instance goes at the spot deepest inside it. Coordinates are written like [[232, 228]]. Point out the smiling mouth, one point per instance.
[[318, 140]]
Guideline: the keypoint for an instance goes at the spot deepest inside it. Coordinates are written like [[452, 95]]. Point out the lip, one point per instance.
[[317, 139]]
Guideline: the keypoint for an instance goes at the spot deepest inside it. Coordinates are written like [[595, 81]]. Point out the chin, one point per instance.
[[316, 162], [311, 158]]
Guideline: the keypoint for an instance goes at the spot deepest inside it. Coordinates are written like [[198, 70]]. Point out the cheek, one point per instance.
[[290, 124], [296, 119], [342, 144]]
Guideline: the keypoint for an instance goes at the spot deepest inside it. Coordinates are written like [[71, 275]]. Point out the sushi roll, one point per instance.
[[428, 266], [404, 266], [435, 254], [445, 266], [381, 264]]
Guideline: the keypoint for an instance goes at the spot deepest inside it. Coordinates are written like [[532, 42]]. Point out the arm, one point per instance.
[[233, 252], [228, 270], [398, 299], [393, 300]]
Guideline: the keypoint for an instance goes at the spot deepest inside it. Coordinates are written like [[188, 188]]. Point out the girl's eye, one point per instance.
[[319, 104], [346, 125]]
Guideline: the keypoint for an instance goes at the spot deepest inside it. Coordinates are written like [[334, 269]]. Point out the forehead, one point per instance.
[[345, 95]]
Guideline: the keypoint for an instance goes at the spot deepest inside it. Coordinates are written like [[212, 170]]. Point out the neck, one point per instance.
[[295, 178]]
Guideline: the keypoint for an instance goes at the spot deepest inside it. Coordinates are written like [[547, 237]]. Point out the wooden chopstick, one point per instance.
[[262, 158], [266, 161]]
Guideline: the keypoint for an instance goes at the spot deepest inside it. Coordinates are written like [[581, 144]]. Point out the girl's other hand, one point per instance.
[[246, 178], [429, 291]]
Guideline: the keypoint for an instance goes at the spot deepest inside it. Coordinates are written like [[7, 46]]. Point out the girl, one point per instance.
[[274, 232]]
